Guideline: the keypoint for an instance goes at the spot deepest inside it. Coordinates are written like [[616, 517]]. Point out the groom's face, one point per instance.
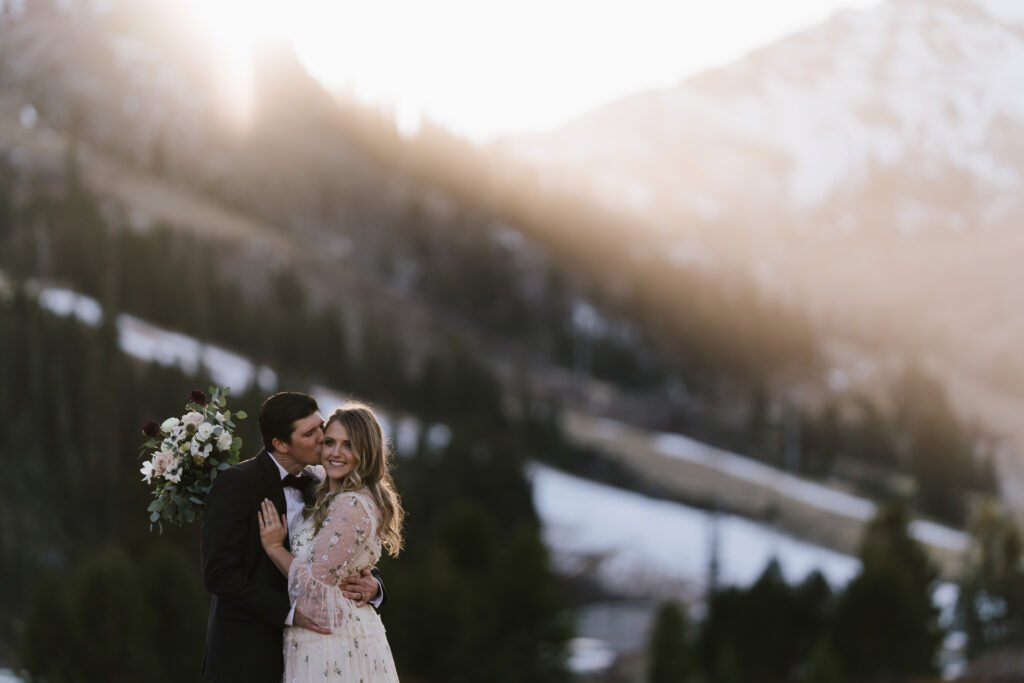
[[307, 439]]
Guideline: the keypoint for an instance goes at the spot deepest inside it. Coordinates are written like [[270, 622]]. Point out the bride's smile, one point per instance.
[[338, 458]]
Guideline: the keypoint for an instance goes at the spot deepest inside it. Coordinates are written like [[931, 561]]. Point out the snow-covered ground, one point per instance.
[[146, 341], [793, 487], [586, 656], [641, 536], [66, 302], [669, 545], [149, 342]]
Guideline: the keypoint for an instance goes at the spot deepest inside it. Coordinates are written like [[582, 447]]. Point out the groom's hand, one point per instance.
[[360, 588], [302, 621]]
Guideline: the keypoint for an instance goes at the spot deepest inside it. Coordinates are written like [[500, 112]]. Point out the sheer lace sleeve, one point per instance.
[[345, 544]]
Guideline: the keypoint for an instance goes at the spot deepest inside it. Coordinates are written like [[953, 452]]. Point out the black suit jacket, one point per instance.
[[250, 596]]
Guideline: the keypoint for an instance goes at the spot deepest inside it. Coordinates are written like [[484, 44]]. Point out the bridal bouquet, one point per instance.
[[184, 454]]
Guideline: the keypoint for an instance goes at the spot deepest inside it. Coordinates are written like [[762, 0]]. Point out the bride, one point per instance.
[[356, 510]]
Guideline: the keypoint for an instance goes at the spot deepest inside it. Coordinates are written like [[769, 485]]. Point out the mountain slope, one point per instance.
[[870, 168]]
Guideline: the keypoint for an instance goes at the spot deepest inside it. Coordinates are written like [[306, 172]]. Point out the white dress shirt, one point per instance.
[[293, 502]]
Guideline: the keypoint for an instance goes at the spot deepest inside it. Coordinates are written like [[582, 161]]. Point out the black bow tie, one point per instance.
[[300, 483]]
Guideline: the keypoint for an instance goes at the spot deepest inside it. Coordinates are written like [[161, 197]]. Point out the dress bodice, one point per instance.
[[347, 541]]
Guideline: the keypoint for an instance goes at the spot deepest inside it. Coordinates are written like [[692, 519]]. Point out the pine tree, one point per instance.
[[886, 625], [774, 626], [103, 598], [990, 606], [940, 448], [669, 656], [823, 666], [176, 603], [46, 623]]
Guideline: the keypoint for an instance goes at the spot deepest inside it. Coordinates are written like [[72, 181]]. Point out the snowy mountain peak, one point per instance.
[[919, 95]]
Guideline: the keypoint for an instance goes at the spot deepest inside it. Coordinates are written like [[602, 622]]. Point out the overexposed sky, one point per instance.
[[487, 67]]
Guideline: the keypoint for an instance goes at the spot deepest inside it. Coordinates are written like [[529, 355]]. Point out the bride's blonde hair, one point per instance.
[[372, 469]]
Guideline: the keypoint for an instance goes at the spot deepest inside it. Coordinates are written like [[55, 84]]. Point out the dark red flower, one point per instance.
[[151, 428], [197, 396]]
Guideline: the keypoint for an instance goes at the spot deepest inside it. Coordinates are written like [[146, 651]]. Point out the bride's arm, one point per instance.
[[273, 531], [336, 545]]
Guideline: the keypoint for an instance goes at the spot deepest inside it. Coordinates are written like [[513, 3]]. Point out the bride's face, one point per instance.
[[338, 458]]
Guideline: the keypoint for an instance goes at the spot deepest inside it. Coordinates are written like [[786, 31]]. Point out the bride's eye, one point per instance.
[[328, 442]]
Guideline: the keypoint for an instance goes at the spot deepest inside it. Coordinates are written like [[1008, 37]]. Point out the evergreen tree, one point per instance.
[[669, 657], [886, 626], [6, 206], [728, 667], [772, 624], [940, 449], [43, 647], [177, 605], [493, 603], [108, 622], [94, 628], [990, 607], [329, 346], [823, 666]]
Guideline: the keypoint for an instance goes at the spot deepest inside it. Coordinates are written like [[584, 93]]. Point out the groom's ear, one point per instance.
[[279, 446]]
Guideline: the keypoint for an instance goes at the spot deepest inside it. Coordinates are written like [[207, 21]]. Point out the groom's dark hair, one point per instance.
[[279, 413]]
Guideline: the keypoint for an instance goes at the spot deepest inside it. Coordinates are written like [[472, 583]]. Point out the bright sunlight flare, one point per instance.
[[484, 69], [236, 28]]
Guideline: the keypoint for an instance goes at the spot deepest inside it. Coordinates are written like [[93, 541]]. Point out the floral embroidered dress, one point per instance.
[[357, 648]]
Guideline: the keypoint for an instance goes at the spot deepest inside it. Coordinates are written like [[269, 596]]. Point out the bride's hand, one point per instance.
[[273, 528]]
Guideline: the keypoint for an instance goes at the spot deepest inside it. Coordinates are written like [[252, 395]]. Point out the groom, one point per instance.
[[250, 596]]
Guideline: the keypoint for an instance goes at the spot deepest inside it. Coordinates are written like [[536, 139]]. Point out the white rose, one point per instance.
[[195, 419], [147, 472], [224, 441], [220, 417], [169, 424], [204, 432]]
